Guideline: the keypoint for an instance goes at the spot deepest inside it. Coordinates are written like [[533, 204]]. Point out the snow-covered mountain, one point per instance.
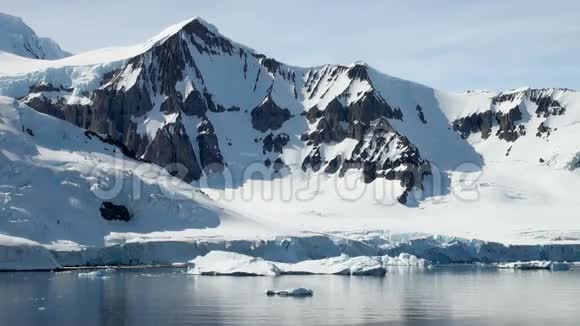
[[227, 119], [18, 38]]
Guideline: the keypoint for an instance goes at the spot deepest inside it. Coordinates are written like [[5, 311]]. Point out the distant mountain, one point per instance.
[[207, 108], [194, 97], [18, 38]]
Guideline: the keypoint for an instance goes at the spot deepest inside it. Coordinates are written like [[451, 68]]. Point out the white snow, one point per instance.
[[17, 65], [18, 38], [60, 156]]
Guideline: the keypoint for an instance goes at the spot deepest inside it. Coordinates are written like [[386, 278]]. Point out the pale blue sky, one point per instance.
[[449, 44]]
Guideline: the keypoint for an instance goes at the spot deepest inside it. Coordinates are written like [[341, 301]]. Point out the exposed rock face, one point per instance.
[[46, 106], [48, 87], [377, 160], [112, 212], [381, 152], [333, 166], [510, 123], [575, 162], [477, 122], [171, 148], [108, 140], [313, 161], [269, 116], [541, 97], [507, 125], [209, 151], [372, 106], [543, 130], [275, 143], [337, 122], [421, 114]]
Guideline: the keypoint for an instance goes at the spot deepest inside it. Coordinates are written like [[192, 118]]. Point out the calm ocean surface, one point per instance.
[[438, 296]]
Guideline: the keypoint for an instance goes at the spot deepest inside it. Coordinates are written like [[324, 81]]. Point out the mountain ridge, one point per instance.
[[18, 38], [175, 100], [276, 159]]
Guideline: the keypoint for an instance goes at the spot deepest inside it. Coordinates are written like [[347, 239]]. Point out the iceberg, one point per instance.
[[222, 263], [93, 274], [217, 263], [342, 265], [536, 264], [405, 260], [298, 292]]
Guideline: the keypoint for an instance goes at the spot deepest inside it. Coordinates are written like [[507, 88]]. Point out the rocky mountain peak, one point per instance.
[[196, 98]]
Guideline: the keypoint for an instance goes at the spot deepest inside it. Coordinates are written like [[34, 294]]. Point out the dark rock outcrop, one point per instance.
[[112, 212], [477, 122], [333, 166], [510, 124], [46, 106], [172, 149], [312, 161], [48, 87], [108, 140], [421, 114], [210, 154], [574, 163], [543, 130], [269, 116], [507, 125], [275, 144]]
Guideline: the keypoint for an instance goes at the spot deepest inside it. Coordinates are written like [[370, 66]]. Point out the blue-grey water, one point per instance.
[[439, 296]]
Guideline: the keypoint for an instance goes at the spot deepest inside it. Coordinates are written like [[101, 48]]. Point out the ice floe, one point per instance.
[[341, 265], [298, 292], [536, 264], [228, 263], [234, 264]]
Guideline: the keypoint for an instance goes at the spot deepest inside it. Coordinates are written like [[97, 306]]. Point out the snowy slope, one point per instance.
[[18, 38], [334, 148], [55, 177]]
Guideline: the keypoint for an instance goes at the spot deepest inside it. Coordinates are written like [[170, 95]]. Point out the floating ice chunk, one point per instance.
[[341, 265], [404, 260], [564, 266], [536, 264], [299, 292], [227, 263], [94, 274], [218, 263], [104, 278]]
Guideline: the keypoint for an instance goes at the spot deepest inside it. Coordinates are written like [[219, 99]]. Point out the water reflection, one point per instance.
[[441, 296]]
